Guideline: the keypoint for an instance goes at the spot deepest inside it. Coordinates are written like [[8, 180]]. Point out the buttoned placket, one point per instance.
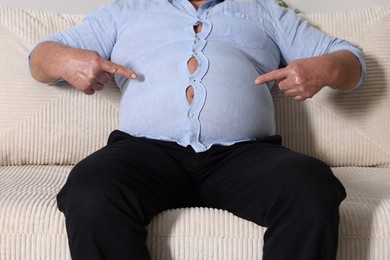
[[195, 79]]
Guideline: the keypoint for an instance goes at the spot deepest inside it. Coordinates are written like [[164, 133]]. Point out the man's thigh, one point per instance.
[[258, 178], [129, 169]]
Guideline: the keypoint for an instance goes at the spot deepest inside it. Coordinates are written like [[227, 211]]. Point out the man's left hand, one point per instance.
[[301, 79]]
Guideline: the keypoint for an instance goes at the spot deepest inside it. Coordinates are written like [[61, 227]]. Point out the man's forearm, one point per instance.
[[45, 61], [346, 69]]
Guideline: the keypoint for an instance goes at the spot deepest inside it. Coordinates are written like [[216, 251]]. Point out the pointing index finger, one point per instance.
[[117, 69], [271, 76]]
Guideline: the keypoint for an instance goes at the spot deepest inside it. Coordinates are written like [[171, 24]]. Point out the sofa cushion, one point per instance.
[[365, 214], [31, 227], [42, 124]]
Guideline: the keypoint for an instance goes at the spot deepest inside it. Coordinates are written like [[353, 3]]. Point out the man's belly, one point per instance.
[[235, 108], [226, 106]]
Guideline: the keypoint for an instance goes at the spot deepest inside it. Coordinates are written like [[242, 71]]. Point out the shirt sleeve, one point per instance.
[[97, 32], [297, 38]]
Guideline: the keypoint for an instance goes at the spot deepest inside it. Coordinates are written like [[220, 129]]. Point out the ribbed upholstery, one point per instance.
[[198, 233], [32, 228], [44, 130]]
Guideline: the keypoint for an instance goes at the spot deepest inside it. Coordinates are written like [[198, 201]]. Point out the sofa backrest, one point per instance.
[[42, 124]]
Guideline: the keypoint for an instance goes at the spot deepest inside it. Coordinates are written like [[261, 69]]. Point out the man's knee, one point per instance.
[[311, 182], [314, 185], [81, 189], [103, 187]]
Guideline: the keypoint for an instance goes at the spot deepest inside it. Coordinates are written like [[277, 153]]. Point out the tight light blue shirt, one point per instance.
[[239, 40]]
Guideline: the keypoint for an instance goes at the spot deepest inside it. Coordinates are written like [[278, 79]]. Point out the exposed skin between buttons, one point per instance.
[[193, 62]]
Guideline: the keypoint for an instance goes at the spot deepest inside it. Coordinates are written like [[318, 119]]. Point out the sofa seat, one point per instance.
[[31, 227]]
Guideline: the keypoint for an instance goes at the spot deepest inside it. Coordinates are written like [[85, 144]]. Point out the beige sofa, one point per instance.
[[44, 130]]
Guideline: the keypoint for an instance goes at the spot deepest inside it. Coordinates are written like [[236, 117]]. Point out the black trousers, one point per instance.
[[111, 195]]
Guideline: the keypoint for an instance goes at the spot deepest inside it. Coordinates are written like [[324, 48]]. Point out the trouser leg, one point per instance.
[[296, 197], [111, 195]]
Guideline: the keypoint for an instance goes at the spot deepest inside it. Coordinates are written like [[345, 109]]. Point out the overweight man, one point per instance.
[[197, 121]]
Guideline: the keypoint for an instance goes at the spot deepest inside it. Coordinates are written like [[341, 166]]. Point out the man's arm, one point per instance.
[[303, 78], [84, 69]]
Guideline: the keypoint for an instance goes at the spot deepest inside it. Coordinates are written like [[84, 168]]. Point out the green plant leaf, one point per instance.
[[285, 5]]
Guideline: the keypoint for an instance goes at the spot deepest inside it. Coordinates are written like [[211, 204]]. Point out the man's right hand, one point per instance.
[[83, 69]]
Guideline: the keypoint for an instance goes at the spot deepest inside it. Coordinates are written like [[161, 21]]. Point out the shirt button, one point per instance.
[[191, 114], [243, 16]]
